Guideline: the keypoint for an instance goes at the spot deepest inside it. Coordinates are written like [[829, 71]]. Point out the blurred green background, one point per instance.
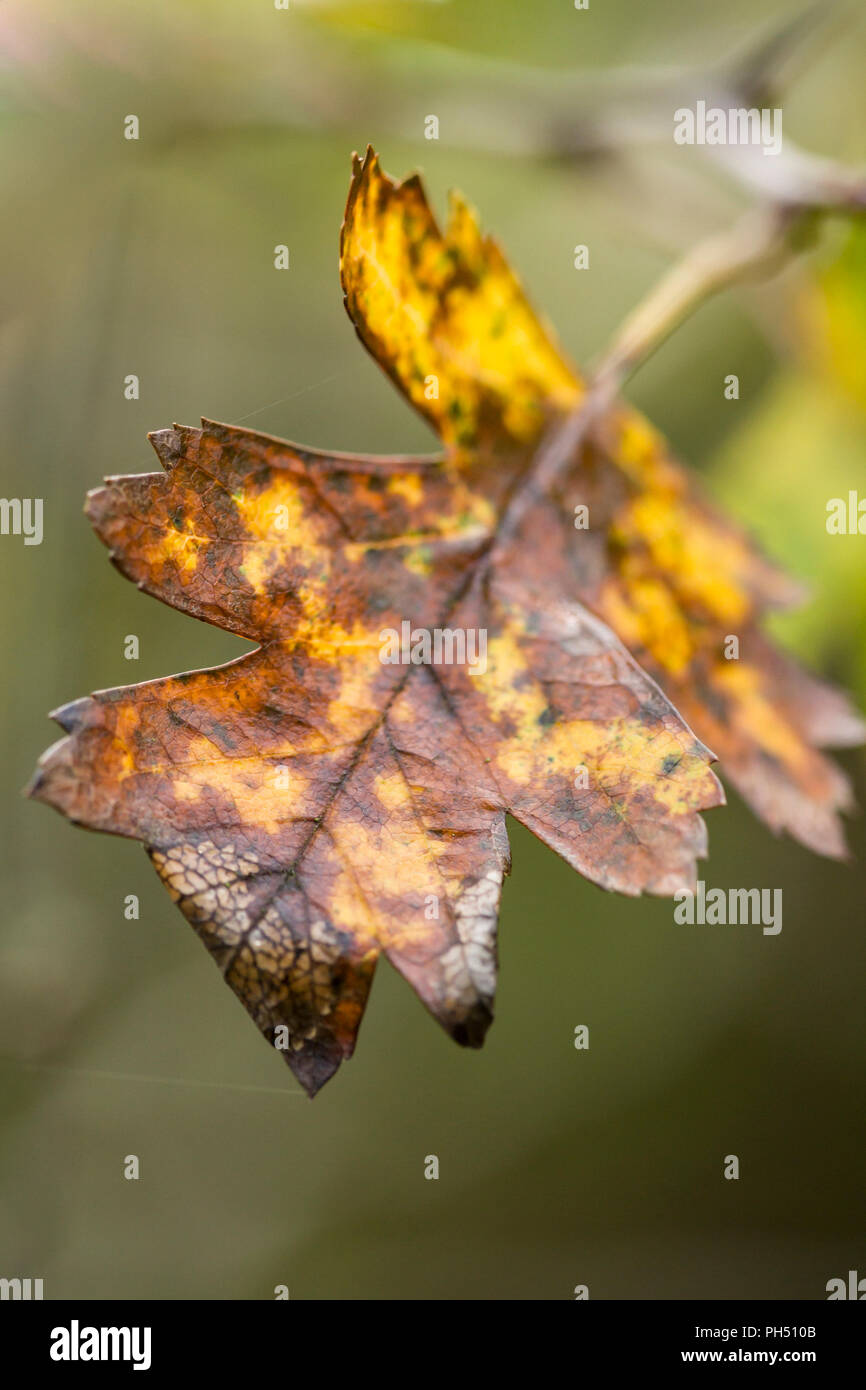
[[558, 1167]]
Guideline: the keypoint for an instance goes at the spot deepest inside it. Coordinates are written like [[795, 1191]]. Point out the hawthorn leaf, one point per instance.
[[671, 576], [310, 806], [340, 792]]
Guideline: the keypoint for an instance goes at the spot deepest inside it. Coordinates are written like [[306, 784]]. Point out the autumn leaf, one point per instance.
[[671, 577], [323, 800]]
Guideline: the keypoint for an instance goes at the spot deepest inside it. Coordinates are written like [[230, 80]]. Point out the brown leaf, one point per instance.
[[315, 804], [310, 806], [671, 577]]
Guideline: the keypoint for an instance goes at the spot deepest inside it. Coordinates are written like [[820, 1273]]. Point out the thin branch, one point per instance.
[[758, 244], [795, 189]]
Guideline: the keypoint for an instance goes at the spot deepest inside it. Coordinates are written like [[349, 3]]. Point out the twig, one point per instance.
[[795, 188], [758, 243]]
